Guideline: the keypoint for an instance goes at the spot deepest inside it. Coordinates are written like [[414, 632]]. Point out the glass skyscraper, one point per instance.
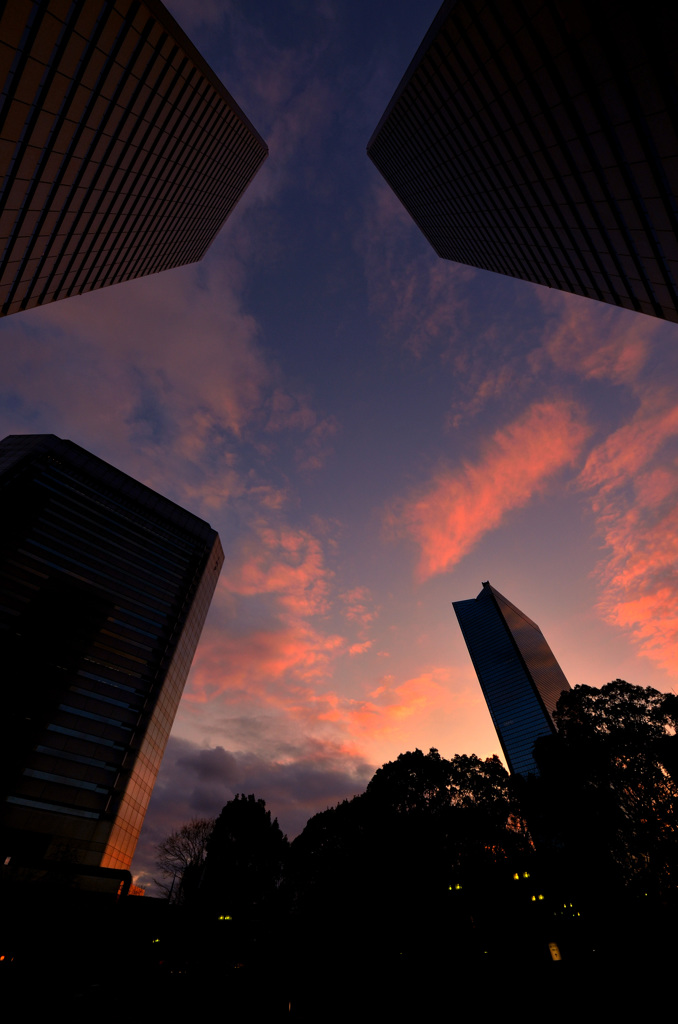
[[121, 152], [105, 589], [539, 139], [518, 673]]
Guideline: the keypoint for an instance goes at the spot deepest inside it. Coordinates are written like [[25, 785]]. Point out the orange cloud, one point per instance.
[[633, 479], [628, 450], [640, 580], [425, 694], [358, 606], [460, 505], [632, 475], [262, 664], [360, 648], [286, 563], [653, 620], [399, 716], [266, 639]]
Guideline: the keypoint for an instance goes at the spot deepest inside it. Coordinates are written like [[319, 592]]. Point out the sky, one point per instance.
[[373, 432]]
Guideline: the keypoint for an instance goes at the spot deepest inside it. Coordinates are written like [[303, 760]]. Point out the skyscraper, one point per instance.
[[539, 139], [518, 674], [105, 589], [121, 153]]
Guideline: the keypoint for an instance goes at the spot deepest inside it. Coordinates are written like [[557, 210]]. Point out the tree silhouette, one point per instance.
[[632, 717], [606, 797], [245, 858], [180, 859], [404, 856], [467, 802], [414, 782]]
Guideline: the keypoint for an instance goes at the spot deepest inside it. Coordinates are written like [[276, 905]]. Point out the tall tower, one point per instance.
[[105, 588], [518, 673], [121, 152], [539, 139]]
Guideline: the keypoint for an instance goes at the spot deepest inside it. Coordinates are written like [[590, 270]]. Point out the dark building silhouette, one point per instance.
[[121, 153], [105, 589], [518, 673], [539, 139]]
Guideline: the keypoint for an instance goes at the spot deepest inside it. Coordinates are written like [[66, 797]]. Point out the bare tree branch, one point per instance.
[[182, 854]]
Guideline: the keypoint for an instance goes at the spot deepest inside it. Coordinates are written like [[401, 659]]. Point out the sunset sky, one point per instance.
[[373, 432]]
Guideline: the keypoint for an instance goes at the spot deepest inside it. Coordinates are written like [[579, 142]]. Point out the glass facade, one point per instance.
[[121, 153], [105, 589], [518, 673], [539, 139]]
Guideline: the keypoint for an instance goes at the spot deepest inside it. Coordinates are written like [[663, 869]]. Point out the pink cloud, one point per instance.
[[360, 648], [639, 580], [596, 342], [630, 448], [158, 376], [359, 606], [164, 378], [653, 621], [268, 638], [458, 506], [271, 666], [289, 412], [284, 562], [633, 480], [632, 474], [493, 385]]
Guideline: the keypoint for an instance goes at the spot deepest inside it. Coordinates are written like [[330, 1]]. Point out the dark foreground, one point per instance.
[[102, 960]]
